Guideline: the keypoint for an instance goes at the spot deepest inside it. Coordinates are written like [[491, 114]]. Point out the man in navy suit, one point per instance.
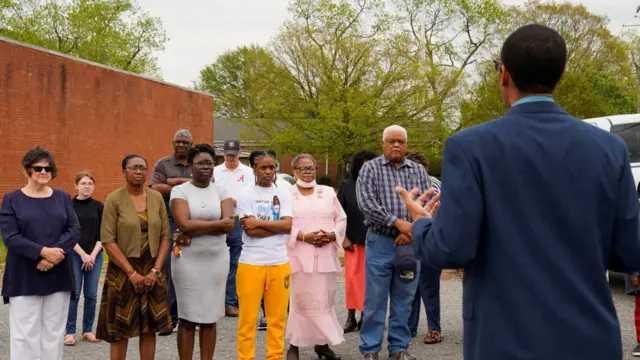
[[535, 207]]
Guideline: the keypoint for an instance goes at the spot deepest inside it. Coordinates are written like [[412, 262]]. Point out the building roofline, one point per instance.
[[75, 58]]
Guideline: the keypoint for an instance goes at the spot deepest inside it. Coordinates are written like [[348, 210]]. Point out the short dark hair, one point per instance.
[[535, 56], [200, 148], [36, 155], [126, 159], [359, 158]]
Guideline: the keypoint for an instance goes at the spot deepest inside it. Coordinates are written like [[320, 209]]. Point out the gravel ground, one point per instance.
[[449, 349]]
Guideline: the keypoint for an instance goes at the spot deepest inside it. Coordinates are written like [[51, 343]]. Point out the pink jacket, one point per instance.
[[319, 211]]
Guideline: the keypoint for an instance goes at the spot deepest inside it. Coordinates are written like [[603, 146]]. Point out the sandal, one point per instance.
[[432, 337], [69, 340], [89, 337]]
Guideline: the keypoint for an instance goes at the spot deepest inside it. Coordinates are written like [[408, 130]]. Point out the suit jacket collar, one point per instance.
[[537, 107]]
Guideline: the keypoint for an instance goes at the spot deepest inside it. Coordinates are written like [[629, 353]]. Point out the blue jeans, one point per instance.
[[380, 285], [173, 303], [86, 282], [429, 291], [234, 242]]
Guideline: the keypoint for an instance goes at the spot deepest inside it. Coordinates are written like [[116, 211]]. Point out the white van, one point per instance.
[[628, 128]]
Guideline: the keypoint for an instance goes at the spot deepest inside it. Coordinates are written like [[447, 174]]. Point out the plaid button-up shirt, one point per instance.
[[377, 197]]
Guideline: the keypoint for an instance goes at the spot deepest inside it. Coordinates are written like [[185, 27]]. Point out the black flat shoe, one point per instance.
[[324, 352]]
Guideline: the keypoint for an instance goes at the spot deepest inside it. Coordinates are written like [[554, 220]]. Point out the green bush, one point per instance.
[[3, 251]]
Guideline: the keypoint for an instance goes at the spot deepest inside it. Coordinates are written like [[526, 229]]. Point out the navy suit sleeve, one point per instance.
[[11, 234], [70, 236], [451, 239], [625, 255]]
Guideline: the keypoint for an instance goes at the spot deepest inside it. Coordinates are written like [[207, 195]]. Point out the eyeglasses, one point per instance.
[[204, 163], [306, 169], [181, 142], [46, 169], [497, 64], [86, 184], [136, 168]]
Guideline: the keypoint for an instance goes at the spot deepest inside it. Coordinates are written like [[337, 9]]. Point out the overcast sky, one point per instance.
[[200, 30]]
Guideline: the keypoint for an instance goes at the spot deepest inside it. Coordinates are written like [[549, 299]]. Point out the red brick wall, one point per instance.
[[88, 116]]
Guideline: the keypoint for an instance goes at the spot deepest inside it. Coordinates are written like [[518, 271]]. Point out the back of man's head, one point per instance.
[[535, 56]]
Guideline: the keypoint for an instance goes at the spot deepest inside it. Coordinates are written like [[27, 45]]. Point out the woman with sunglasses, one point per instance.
[[204, 214], [86, 259], [135, 234], [39, 228]]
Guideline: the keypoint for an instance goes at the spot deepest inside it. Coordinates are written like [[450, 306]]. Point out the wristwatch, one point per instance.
[[157, 273]]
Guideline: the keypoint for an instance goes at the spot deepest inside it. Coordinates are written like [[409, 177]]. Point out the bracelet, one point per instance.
[[132, 275], [303, 236]]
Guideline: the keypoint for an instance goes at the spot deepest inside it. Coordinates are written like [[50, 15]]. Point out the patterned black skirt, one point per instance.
[[125, 314]]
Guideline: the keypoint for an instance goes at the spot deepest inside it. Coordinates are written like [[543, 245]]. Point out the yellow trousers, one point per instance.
[[253, 282]]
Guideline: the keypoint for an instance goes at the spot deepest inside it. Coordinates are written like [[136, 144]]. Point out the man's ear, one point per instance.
[[505, 77]]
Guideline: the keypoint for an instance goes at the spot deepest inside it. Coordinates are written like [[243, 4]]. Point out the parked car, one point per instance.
[[286, 177]]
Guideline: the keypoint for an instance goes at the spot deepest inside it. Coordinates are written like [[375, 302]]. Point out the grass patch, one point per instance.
[[3, 252]]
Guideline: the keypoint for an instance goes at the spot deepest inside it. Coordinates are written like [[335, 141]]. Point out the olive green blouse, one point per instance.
[[120, 223]]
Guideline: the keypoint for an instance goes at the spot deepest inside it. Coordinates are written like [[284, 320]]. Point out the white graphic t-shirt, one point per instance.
[[269, 204]]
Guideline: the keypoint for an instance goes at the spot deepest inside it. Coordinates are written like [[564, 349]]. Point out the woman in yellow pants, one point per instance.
[[263, 269]]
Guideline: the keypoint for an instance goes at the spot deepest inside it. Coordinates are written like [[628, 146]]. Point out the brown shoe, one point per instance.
[[89, 337], [403, 355], [231, 312], [432, 337], [370, 357], [69, 340]]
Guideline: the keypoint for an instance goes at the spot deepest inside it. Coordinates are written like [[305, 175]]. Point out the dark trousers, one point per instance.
[[429, 292], [234, 242], [173, 303]]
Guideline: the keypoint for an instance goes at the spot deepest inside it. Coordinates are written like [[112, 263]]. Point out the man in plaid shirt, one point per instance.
[[388, 222]]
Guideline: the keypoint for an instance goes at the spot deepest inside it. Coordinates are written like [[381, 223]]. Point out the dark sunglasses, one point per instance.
[[40, 168], [497, 64]]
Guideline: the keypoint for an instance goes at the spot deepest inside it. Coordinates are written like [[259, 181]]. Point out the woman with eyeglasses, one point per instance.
[[318, 228], [204, 214], [135, 234], [86, 259], [39, 229]]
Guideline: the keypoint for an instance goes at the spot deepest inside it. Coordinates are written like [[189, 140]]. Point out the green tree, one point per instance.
[[633, 49], [116, 33], [243, 82], [342, 70], [599, 78], [447, 39]]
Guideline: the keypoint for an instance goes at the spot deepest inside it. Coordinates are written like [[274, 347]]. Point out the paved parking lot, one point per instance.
[[450, 349]]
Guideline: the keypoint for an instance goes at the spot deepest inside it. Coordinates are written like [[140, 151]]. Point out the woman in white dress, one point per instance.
[[203, 212]]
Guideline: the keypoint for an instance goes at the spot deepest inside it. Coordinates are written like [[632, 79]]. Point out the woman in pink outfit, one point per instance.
[[319, 226]]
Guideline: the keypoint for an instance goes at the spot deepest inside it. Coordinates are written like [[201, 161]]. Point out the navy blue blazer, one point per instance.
[[535, 207]]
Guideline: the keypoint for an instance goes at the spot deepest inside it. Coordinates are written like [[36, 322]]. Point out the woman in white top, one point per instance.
[[203, 212], [263, 269]]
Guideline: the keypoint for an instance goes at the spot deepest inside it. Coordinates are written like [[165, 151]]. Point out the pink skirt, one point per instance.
[[354, 276], [312, 317]]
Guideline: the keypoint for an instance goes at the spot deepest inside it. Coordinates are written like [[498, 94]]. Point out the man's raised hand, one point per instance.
[[415, 205]]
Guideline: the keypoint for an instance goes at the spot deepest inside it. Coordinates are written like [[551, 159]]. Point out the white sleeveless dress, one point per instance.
[[200, 273]]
